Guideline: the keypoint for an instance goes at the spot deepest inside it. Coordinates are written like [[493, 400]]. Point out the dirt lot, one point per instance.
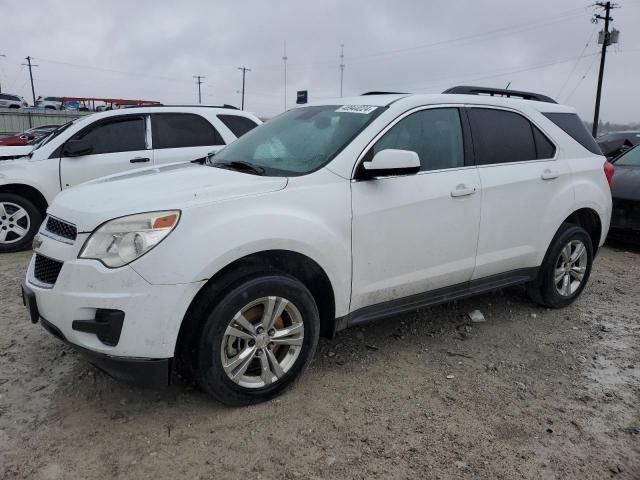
[[530, 393]]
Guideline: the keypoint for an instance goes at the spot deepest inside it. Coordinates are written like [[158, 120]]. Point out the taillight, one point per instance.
[[609, 169]]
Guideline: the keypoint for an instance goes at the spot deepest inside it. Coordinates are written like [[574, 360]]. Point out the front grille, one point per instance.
[[46, 270], [61, 228]]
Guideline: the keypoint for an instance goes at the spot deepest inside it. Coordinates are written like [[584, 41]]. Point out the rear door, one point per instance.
[[118, 144], [524, 186], [182, 137]]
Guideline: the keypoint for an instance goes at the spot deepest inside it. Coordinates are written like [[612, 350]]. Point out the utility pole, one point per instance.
[[244, 73], [33, 90], [284, 59], [341, 66], [4, 56], [199, 82], [606, 40]]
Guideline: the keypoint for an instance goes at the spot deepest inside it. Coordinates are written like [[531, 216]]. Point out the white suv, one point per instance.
[[330, 215], [12, 101], [103, 144]]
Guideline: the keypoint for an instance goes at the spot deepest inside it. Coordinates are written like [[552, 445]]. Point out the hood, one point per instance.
[[176, 186], [626, 183], [9, 153]]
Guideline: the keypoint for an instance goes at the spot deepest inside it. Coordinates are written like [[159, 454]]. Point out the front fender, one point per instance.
[[212, 237], [42, 176]]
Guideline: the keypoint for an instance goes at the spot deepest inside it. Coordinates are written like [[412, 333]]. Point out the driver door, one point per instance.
[[417, 232], [117, 144]]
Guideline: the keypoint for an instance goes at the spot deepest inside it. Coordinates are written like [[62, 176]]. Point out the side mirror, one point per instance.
[[391, 162], [77, 148]]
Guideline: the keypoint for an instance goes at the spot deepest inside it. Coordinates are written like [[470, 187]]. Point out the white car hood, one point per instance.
[[14, 152], [175, 186]]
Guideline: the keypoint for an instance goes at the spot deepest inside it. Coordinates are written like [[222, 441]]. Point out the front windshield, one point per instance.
[[629, 159], [54, 134], [299, 141]]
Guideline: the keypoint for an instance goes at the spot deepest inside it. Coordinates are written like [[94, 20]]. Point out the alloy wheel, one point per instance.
[[14, 223], [570, 268], [262, 342]]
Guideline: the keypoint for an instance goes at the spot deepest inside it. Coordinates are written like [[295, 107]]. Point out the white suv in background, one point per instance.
[[12, 101], [103, 144], [327, 216]]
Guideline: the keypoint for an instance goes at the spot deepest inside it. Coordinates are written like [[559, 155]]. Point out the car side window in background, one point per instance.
[[178, 130], [573, 126], [434, 134], [501, 137], [630, 159], [118, 135], [237, 124]]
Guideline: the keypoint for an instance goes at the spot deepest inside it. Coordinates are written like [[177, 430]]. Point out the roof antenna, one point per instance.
[[507, 87]]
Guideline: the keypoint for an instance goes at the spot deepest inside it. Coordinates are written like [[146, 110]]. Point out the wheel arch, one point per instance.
[[30, 193], [289, 262], [590, 220]]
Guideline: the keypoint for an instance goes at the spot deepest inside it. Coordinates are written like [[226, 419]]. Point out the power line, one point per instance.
[[581, 78], [199, 82], [244, 73], [575, 65]]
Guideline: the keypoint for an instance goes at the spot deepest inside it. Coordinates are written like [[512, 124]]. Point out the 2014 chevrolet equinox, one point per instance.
[[329, 215]]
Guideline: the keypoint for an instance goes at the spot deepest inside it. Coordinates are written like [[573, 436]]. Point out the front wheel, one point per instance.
[[20, 220], [566, 268], [257, 340]]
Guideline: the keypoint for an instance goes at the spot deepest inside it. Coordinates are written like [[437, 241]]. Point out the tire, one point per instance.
[[562, 277], [273, 360], [12, 239]]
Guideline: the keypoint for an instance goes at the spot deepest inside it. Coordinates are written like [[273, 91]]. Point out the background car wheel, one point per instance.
[[565, 270], [257, 340], [20, 220]]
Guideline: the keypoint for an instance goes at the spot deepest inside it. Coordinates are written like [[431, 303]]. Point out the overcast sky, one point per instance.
[[151, 49]]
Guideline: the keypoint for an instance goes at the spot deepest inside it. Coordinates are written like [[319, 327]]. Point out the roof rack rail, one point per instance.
[[230, 107], [499, 92], [383, 93]]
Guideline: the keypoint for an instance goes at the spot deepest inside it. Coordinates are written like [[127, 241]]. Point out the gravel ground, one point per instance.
[[530, 393]]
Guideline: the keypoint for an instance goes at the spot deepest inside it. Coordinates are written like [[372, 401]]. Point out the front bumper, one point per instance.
[[115, 314], [145, 372]]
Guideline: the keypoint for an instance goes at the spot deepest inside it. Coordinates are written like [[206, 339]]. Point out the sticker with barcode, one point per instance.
[[365, 109]]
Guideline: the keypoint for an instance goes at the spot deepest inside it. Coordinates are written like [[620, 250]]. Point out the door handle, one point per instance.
[[139, 160], [463, 190], [549, 174]]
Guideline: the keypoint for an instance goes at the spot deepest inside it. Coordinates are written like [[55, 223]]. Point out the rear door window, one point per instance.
[[179, 130], [500, 136], [573, 126], [237, 124]]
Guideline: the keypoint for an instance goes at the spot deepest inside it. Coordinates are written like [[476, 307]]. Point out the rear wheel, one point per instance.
[[19, 222], [566, 268], [257, 340]]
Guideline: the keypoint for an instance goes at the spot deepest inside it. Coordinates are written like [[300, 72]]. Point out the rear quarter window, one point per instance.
[[237, 124], [573, 126]]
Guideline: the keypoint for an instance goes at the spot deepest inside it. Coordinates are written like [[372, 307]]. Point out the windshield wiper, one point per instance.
[[241, 166]]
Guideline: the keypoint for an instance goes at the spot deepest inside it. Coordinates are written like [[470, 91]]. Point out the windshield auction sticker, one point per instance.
[[366, 109]]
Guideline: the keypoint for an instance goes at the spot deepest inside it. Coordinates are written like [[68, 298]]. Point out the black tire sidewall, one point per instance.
[[211, 376], [548, 290], [35, 219]]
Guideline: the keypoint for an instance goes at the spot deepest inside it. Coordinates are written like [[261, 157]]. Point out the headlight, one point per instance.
[[122, 240]]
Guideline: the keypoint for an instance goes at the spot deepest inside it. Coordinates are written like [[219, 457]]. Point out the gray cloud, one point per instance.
[[150, 49]]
